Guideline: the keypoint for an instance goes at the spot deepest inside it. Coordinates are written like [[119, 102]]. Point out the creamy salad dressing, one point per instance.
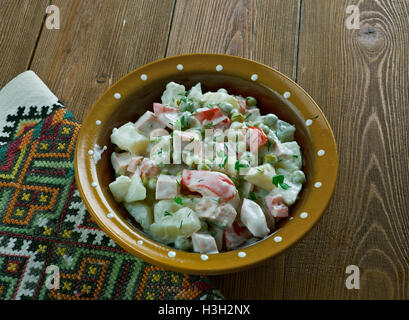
[[206, 172]]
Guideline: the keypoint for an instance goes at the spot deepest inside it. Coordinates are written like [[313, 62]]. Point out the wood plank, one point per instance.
[[99, 42], [360, 79], [265, 31], [20, 25]]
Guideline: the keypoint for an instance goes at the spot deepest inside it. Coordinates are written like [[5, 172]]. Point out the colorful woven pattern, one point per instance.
[[43, 222]]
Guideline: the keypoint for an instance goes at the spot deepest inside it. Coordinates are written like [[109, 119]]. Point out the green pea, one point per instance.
[[270, 120], [298, 177], [251, 101], [226, 107]]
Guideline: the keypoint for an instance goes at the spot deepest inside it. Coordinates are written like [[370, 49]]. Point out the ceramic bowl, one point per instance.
[[135, 93]]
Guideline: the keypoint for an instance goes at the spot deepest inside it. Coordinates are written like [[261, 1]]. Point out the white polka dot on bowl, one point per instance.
[[94, 184], [303, 215], [321, 153], [117, 96], [90, 152], [219, 67], [308, 122], [241, 254], [204, 257], [278, 239], [254, 77], [110, 215], [144, 77], [139, 242], [171, 254], [287, 94], [318, 184], [179, 67], [98, 122]]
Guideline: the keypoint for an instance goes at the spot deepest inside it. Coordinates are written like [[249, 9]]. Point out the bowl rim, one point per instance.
[[188, 262]]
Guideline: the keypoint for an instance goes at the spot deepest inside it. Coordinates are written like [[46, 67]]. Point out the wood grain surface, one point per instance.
[[20, 26], [360, 79], [98, 43]]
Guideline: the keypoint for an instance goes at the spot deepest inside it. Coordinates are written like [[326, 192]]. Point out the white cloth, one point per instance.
[[26, 90]]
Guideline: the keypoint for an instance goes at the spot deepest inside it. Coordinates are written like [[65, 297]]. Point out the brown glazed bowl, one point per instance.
[[135, 93]]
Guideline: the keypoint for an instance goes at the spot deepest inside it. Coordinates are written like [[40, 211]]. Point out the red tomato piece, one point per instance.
[[208, 114], [167, 115], [235, 235], [276, 206], [209, 183], [212, 117], [257, 136], [159, 108]]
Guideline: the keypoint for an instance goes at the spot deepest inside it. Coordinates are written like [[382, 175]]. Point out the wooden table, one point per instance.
[[359, 77]]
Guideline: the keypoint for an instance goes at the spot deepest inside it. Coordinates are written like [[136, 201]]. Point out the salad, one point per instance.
[[206, 172]]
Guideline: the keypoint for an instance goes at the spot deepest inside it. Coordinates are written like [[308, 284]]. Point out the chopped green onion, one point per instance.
[[277, 179], [253, 196], [284, 186]]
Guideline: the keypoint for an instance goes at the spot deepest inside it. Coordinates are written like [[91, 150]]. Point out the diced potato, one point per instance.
[[183, 222], [136, 190], [196, 92], [163, 207], [128, 138], [171, 94], [261, 176], [141, 212], [220, 97], [289, 155], [290, 195], [120, 187], [285, 131]]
